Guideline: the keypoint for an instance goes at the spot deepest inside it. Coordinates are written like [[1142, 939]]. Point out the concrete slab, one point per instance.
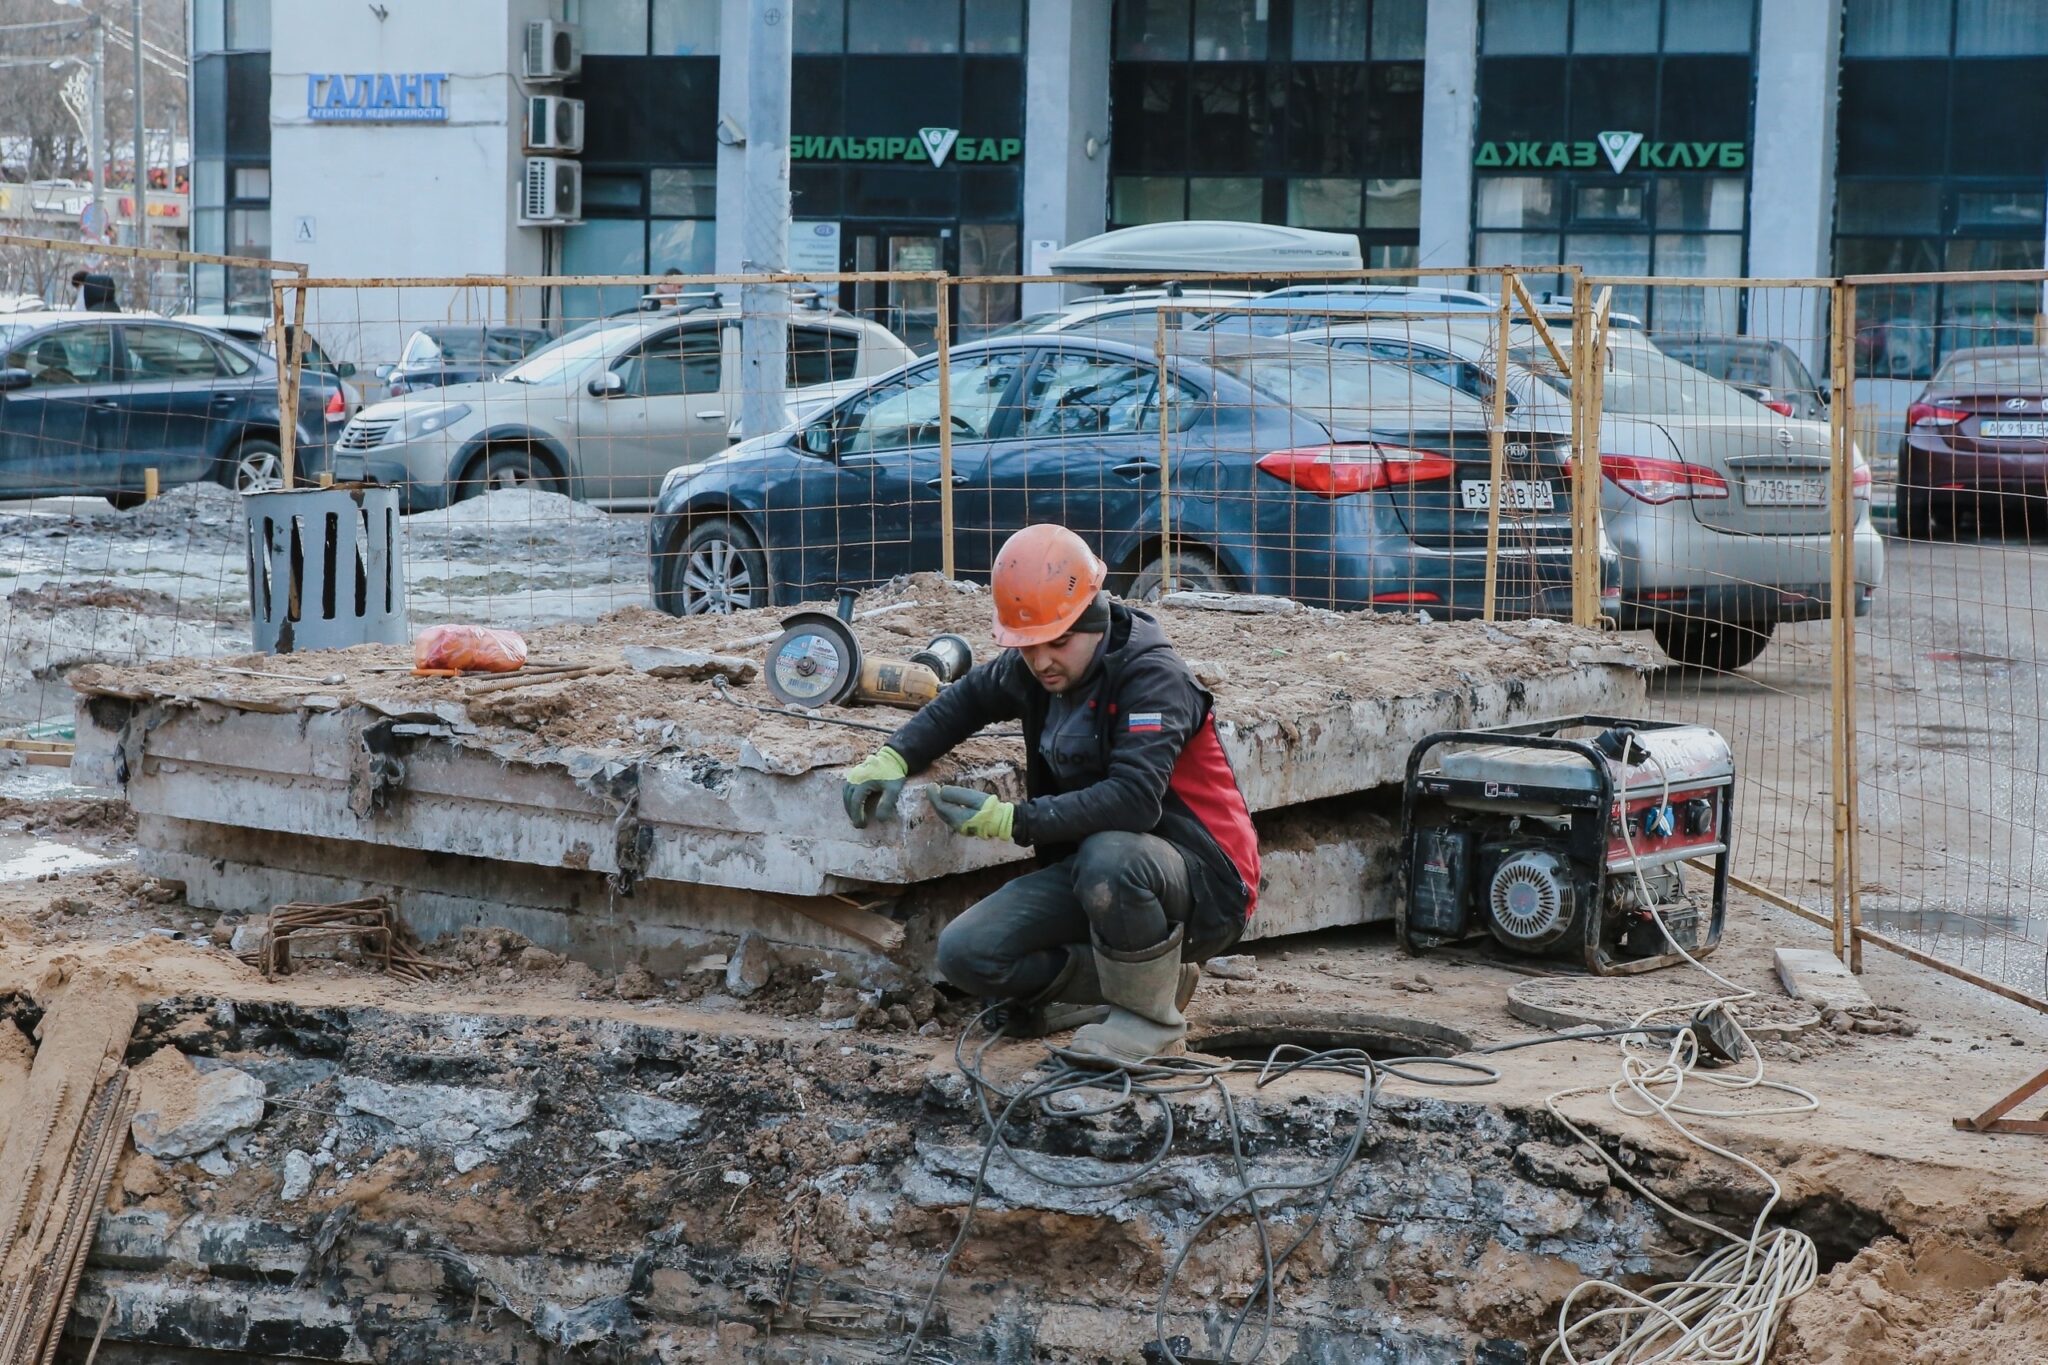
[[1819, 978]]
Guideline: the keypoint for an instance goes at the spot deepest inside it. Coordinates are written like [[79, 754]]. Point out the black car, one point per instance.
[[1337, 480], [438, 356], [90, 401]]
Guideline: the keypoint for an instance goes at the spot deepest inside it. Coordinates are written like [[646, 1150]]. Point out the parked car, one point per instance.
[[1768, 371], [1975, 452], [1339, 481], [1298, 307], [1716, 505], [601, 415], [345, 395], [89, 401], [437, 356], [1131, 307]]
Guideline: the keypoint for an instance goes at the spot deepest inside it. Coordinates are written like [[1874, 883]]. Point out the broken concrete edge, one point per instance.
[[1820, 978]]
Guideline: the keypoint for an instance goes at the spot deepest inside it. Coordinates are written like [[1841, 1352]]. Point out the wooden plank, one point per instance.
[[879, 932], [1993, 1120]]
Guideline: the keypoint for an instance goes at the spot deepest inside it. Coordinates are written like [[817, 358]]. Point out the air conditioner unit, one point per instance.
[[554, 124], [554, 51], [553, 192]]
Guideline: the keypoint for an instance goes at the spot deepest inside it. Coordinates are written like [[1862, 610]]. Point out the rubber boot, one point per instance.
[[1072, 1000], [1145, 1019]]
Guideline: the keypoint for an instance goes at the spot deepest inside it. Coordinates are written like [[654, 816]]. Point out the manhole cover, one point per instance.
[[1566, 1002]]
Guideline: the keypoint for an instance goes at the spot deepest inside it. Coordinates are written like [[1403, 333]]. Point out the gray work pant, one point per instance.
[[1127, 891]]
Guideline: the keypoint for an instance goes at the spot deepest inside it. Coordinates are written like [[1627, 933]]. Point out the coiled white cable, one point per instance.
[[1727, 1311]]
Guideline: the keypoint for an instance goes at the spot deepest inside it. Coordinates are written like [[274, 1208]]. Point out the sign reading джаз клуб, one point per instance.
[[1620, 150], [377, 97]]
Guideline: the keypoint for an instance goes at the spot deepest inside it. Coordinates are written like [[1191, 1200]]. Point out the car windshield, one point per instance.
[[556, 363], [1030, 322], [1732, 361], [1641, 382], [470, 346], [1353, 390], [2021, 373], [10, 330]]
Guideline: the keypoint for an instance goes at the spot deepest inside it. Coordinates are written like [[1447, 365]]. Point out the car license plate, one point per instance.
[[1784, 492], [2036, 429], [1519, 495]]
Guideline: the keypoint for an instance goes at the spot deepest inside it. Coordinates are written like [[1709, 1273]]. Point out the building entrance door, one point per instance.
[[909, 308]]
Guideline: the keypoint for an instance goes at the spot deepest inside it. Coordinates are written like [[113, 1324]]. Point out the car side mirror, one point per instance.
[[605, 385], [384, 373], [345, 369], [819, 439], [15, 379]]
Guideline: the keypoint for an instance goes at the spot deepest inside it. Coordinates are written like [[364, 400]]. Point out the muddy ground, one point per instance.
[[697, 1176]]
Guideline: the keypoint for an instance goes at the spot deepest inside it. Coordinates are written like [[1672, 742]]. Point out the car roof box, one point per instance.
[[1241, 251]]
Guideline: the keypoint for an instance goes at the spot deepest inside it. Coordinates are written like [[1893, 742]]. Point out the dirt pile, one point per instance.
[[108, 819], [1933, 1301], [92, 592]]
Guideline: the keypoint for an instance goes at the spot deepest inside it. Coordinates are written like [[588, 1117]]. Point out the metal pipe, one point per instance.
[[141, 234], [97, 154]]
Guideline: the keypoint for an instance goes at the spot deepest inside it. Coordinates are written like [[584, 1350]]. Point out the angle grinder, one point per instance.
[[818, 661]]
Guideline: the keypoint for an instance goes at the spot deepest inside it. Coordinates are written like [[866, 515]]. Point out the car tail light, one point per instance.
[[1779, 406], [1652, 480], [1929, 415], [1337, 471], [1859, 482], [337, 407]]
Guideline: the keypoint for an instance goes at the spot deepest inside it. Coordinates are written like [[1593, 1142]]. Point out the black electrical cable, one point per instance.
[[1648, 1030], [1160, 1082]]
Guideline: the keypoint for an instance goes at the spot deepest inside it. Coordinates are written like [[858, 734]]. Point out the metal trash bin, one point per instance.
[[326, 569]]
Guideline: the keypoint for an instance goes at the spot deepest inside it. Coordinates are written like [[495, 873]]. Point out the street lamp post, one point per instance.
[[97, 154], [141, 178]]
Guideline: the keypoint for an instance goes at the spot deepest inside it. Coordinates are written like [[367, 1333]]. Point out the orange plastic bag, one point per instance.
[[469, 648]]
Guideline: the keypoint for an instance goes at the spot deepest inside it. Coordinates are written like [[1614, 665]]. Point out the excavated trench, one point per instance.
[[500, 1188]]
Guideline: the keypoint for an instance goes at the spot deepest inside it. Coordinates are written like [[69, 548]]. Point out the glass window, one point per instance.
[[209, 26], [613, 28], [209, 182], [1152, 30], [209, 231], [1323, 203], [1712, 311], [1895, 28], [605, 191], [1328, 119], [906, 413], [1888, 206], [1999, 118], [1621, 203], [1137, 199], [2000, 28], [1330, 30], [1393, 203], [1895, 331], [1646, 383], [1083, 395], [680, 192], [1882, 134], [235, 363], [1523, 26], [1230, 30], [1399, 28], [1237, 199], [1614, 26], [1232, 125], [1610, 253], [930, 26], [821, 355], [2005, 209], [1701, 202], [69, 355], [995, 26], [674, 364], [169, 353], [988, 249], [686, 28], [689, 246], [1519, 201], [1708, 25], [602, 247], [820, 26], [252, 182], [248, 232], [249, 25]]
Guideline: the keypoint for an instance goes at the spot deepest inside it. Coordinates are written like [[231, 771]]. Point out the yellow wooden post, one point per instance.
[[152, 485], [943, 335], [1496, 443]]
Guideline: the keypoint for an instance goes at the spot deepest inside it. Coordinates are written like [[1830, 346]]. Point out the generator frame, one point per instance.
[[1590, 813]]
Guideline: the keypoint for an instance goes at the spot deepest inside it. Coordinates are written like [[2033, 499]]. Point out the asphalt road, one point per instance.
[[1950, 702]]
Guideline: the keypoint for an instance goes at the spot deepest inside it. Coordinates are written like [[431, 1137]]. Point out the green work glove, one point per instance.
[[873, 785], [971, 812]]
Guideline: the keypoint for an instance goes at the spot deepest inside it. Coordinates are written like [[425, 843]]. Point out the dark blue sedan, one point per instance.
[[91, 401], [1334, 479]]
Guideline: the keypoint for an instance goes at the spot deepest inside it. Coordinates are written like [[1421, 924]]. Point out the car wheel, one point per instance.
[[717, 570], [1193, 571], [1712, 646], [504, 468], [252, 467]]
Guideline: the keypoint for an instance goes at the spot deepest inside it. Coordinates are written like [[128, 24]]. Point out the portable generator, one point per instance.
[[1565, 846]]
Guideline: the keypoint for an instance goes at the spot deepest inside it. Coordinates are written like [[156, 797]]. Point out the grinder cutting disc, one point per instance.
[[815, 661]]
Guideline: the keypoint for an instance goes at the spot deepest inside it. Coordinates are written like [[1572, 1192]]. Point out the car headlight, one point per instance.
[[434, 419]]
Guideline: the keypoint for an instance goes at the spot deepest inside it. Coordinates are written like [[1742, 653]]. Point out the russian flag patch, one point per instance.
[[1146, 720]]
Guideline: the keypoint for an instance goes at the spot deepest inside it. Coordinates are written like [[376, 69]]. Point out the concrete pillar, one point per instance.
[[764, 308], [1066, 113], [734, 19], [1450, 113], [1792, 165]]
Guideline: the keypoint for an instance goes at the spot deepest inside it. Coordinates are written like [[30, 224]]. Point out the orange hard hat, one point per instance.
[[1045, 577]]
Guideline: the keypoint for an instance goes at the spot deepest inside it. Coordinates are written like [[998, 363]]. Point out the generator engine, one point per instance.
[[1565, 838]]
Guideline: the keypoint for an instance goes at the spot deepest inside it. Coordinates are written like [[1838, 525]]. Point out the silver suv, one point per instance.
[[601, 414]]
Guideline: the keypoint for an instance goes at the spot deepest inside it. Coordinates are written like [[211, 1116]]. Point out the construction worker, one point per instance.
[[1148, 863]]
